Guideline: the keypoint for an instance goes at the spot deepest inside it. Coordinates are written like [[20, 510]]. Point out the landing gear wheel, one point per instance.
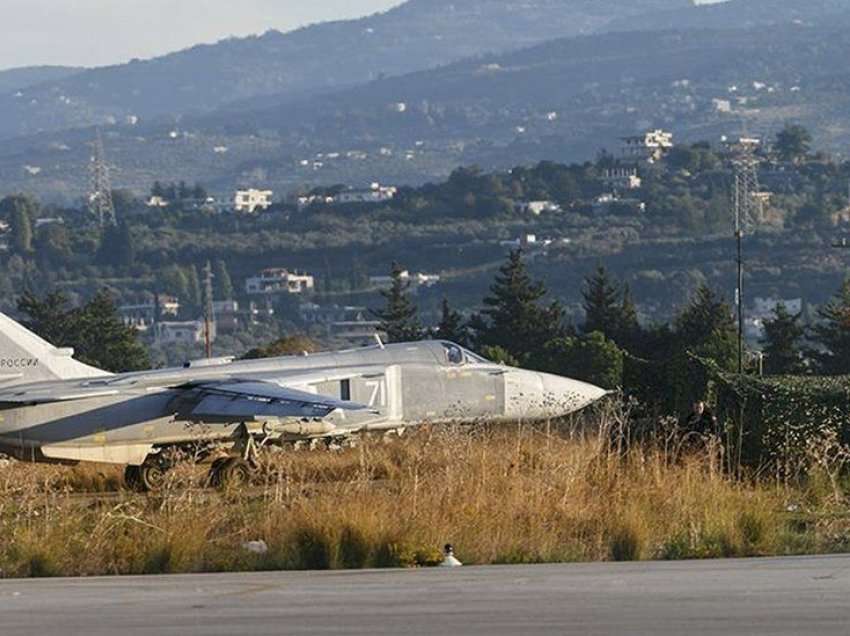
[[214, 476], [233, 473], [151, 477]]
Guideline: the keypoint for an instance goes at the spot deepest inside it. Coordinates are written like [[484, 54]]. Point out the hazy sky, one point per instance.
[[96, 32]]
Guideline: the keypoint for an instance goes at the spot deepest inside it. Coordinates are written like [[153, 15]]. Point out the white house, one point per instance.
[[376, 193], [537, 207], [415, 280], [277, 280], [622, 178], [189, 332], [650, 146], [251, 200]]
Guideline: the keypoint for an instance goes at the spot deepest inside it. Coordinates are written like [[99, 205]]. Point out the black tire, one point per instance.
[[151, 477], [214, 476], [133, 477], [234, 473]]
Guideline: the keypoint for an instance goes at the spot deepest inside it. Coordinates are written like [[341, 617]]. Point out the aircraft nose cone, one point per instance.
[[533, 395], [568, 395]]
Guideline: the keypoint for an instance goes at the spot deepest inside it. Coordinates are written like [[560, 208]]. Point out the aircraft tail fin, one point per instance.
[[26, 358]]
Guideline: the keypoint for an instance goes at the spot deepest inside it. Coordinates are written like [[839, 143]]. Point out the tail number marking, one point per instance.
[[378, 397]]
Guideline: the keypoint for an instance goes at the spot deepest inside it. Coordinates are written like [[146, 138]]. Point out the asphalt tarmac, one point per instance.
[[808, 595]]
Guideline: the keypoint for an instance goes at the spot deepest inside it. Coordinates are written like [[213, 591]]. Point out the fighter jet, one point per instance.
[[56, 409]]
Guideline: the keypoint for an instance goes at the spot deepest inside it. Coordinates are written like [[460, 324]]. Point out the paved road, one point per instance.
[[768, 596]]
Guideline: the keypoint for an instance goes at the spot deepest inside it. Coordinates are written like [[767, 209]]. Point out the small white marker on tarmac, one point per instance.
[[450, 561]]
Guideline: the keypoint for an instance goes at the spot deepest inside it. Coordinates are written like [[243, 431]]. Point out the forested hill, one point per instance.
[[418, 34], [17, 79], [739, 14]]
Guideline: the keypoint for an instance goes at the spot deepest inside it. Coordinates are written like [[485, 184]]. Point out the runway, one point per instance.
[[808, 595]]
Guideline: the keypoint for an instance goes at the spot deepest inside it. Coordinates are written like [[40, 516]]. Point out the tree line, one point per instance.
[[518, 325]]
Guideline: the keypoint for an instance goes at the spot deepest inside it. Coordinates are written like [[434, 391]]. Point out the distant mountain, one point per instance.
[[564, 99], [19, 78], [417, 35], [739, 14]]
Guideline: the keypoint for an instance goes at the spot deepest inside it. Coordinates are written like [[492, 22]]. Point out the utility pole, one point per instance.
[[747, 204], [209, 314], [101, 206]]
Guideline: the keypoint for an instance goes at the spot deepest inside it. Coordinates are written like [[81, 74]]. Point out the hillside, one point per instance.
[[731, 14], [563, 100], [419, 34], [16, 79]]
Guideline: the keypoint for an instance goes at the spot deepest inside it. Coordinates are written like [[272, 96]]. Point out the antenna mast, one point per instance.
[[101, 205], [209, 314]]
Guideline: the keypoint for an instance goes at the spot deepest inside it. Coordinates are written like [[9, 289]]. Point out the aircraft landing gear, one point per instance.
[[148, 477], [230, 472], [237, 470]]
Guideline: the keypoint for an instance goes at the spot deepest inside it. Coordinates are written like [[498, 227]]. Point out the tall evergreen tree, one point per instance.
[[196, 295], [451, 325], [399, 317], [782, 336], [513, 317], [95, 331], [20, 211], [223, 282], [48, 316], [832, 334], [601, 304], [610, 310], [707, 328], [103, 340]]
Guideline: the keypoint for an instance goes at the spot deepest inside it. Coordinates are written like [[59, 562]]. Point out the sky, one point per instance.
[[101, 32]]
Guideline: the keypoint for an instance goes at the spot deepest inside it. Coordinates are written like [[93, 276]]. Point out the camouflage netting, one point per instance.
[[783, 417]]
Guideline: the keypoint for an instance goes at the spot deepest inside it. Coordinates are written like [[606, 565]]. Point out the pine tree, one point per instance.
[[706, 327], [451, 325], [49, 317], [20, 210], [601, 304], [196, 295], [103, 340], [781, 342], [629, 333], [94, 331], [399, 318], [513, 318], [610, 310], [832, 334], [223, 282]]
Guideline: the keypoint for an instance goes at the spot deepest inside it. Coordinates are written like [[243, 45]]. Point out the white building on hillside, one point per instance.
[[251, 200], [651, 146], [189, 332], [376, 193], [416, 280], [276, 281]]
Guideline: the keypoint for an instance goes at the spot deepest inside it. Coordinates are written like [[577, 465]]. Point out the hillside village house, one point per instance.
[[376, 193], [277, 281], [651, 146], [622, 178], [251, 200], [188, 332], [143, 316], [415, 280], [536, 207]]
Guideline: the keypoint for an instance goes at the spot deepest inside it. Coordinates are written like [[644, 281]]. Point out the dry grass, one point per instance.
[[511, 495]]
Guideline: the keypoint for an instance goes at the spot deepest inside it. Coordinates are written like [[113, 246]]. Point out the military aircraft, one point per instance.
[[54, 408]]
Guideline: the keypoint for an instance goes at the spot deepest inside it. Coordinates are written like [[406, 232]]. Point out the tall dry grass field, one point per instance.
[[516, 494]]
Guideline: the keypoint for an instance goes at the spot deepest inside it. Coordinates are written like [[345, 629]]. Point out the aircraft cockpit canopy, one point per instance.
[[457, 355]]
